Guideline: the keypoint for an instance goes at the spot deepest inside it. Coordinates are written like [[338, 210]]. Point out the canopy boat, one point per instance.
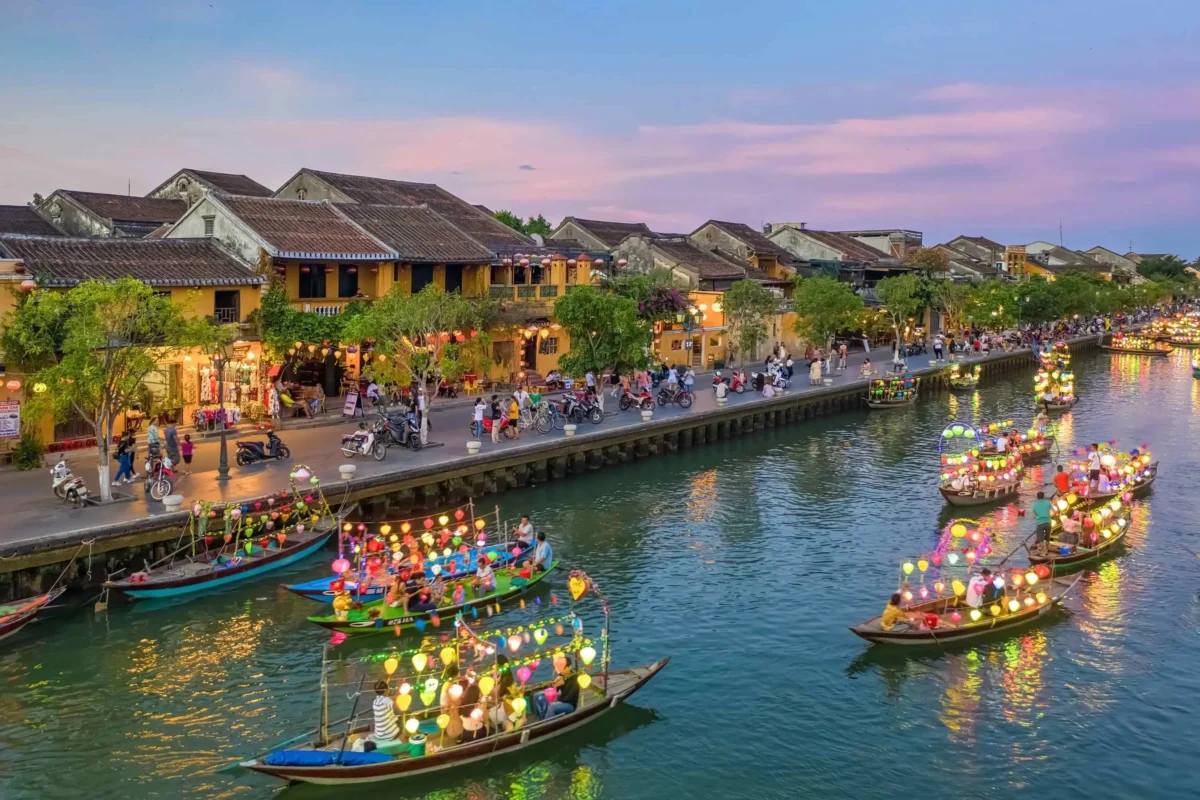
[[963, 376], [1054, 384], [440, 543], [894, 392], [1101, 531], [16, 615], [502, 698], [256, 538], [1137, 345], [944, 608], [971, 478], [1033, 445], [380, 617]]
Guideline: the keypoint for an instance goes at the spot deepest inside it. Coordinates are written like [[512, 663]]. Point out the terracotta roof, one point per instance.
[[709, 265], [852, 248], [416, 233], [233, 184], [23, 219], [482, 227], [753, 239], [118, 208], [611, 233], [63, 261], [305, 229]]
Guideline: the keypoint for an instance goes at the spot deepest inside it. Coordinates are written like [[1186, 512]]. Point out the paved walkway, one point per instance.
[[32, 513]]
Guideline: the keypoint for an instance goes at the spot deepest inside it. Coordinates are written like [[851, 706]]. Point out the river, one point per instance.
[[744, 561]]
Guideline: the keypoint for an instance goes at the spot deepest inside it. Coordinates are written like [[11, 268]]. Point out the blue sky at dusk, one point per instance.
[[986, 118]]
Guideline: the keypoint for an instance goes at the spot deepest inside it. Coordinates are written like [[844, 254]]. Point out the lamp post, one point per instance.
[[220, 355]]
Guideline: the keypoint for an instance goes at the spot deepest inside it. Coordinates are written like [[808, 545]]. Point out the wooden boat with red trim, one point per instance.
[[16, 615], [948, 633]]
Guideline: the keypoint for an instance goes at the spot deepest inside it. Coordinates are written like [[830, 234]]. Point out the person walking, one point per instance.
[[496, 419]]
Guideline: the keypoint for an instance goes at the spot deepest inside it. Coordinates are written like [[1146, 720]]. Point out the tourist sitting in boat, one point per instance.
[[1041, 514], [896, 618], [386, 729], [543, 554], [566, 697]]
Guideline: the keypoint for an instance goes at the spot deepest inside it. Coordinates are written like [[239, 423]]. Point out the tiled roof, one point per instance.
[[482, 227], [305, 229], [611, 233], [852, 248], [63, 261], [709, 265], [233, 184], [416, 233], [23, 219], [753, 239], [119, 208]]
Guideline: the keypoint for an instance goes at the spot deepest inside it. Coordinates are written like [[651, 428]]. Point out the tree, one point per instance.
[[1166, 266], [930, 260], [823, 307], [605, 329], [90, 350], [538, 225], [510, 219], [420, 336], [748, 305], [901, 297], [952, 299]]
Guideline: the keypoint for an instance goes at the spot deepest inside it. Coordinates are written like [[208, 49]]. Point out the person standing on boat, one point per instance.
[[387, 729], [1041, 514]]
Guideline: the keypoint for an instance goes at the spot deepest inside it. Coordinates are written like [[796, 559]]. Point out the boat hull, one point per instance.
[[508, 742], [997, 495], [218, 578]]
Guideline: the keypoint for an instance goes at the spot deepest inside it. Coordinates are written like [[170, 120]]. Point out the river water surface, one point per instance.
[[744, 561]]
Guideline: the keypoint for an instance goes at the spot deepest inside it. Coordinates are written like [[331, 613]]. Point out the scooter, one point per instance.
[[67, 486], [253, 452], [360, 443]]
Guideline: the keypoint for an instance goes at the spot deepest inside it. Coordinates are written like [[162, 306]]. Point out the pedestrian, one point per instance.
[[171, 436], [496, 419], [843, 351], [186, 449], [477, 423]]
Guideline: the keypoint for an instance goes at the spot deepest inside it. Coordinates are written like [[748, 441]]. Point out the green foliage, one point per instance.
[[94, 360], [605, 331], [27, 454], [901, 297], [538, 224], [417, 334], [1166, 266], [748, 305], [823, 307]]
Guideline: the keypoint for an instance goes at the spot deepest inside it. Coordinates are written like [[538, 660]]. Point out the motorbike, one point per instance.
[[642, 400], [400, 430], [69, 487], [160, 474], [364, 441], [251, 452], [506, 427], [681, 396]]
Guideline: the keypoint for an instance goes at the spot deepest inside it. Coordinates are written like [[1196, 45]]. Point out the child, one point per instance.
[[186, 449]]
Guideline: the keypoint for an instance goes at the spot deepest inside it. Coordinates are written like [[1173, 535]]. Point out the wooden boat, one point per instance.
[[379, 617], [16, 615], [202, 572], [321, 589], [603, 695], [987, 625], [982, 496]]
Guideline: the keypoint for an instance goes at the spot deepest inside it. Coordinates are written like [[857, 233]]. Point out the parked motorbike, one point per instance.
[[159, 474], [253, 452], [681, 396], [362, 442], [67, 486], [643, 401], [400, 430]]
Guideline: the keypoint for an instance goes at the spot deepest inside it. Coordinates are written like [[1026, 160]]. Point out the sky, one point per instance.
[[993, 118]]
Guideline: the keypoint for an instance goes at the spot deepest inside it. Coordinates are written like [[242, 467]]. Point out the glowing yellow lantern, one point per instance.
[[390, 665], [585, 680], [419, 661], [412, 724], [588, 654]]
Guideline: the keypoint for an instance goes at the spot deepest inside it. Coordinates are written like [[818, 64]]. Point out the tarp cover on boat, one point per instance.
[[322, 758]]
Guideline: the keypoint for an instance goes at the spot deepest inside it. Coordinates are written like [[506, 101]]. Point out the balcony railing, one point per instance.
[[225, 316]]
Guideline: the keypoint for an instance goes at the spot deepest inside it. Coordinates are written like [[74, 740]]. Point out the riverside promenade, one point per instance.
[[37, 530]]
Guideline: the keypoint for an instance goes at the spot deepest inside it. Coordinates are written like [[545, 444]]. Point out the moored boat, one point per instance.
[[896, 392], [16, 615]]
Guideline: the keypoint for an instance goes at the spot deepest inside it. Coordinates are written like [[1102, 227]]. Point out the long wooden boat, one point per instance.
[[980, 496], [206, 570], [1132, 351], [379, 617], [1079, 554], [331, 766], [1055, 592], [16, 615], [321, 589]]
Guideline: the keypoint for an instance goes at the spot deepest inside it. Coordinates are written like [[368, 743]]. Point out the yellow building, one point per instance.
[[204, 277]]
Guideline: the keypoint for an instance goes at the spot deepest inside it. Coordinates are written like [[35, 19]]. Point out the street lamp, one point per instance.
[[219, 355]]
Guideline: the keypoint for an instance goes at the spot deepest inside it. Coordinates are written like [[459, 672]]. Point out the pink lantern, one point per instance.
[[341, 565], [524, 674]]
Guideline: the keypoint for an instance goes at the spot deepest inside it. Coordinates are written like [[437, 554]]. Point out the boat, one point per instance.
[[963, 377], [257, 538], [16, 615], [379, 617], [975, 623], [422, 746], [898, 392], [1054, 384], [1137, 345], [971, 477], [443, 548]]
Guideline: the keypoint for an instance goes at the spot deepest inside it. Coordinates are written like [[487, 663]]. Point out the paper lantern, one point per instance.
[[585, 680]]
